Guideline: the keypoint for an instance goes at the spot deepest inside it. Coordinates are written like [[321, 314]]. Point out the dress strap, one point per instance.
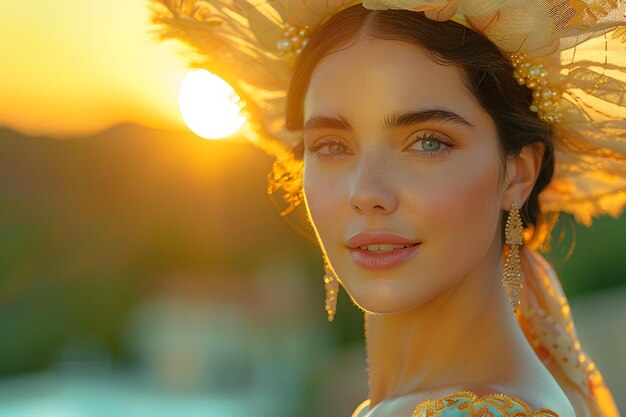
[[362, 409]]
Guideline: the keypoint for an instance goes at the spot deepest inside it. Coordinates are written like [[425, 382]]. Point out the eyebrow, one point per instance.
[[414, 117], [325, 122], [390, 121]]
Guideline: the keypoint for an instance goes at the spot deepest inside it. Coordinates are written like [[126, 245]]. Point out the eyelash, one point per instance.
[[428, 136], [314, 148], [432, 137]]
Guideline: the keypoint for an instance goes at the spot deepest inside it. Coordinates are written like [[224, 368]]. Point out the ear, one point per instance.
[[521, 175]]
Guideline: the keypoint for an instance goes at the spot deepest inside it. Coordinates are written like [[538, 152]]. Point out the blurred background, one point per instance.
[[145, 271]]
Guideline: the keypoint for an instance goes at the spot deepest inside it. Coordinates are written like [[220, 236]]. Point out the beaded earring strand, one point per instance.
[[331, 284], [512, 279]]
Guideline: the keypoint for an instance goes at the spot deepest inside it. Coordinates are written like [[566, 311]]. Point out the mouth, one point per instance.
[[377, 251], [384, 248]]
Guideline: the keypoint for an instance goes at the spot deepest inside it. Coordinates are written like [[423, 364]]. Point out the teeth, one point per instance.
[[383, 248]]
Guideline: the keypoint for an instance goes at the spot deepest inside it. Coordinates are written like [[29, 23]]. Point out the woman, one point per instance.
[[420, 135]]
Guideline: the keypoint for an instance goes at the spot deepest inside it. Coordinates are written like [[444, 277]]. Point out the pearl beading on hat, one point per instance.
[[546, 99], [294, 40]]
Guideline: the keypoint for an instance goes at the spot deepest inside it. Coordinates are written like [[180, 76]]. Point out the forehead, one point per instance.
[[372, 78]]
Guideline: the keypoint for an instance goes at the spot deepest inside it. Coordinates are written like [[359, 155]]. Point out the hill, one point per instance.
[[88, 224]]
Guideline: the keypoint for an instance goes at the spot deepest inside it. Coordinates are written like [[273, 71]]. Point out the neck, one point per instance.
[[466, 336]]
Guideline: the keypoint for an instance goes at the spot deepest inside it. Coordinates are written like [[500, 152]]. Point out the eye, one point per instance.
[[329, 148], [429, 143]]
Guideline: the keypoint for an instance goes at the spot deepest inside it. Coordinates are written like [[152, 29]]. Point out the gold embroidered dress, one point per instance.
[[468, 404]]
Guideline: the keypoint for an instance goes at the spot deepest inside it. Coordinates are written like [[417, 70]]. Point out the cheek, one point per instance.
[[465, 206], [323, 194]]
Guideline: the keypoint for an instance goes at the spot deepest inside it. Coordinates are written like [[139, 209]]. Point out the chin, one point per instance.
[[381, 299]]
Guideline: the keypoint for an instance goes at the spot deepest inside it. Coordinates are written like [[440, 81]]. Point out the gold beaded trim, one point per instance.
[[294, 40], [466, 403], [546, 99]]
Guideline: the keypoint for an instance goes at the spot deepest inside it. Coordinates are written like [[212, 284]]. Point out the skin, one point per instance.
[[438, 182]]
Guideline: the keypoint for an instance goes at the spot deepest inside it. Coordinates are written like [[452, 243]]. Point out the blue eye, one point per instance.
[[430, 144]]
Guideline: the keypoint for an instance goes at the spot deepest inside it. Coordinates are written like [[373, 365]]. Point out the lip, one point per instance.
[[380, 261], [373, 238]]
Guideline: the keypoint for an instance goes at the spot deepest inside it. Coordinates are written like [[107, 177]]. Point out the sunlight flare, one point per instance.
[[209, 106]]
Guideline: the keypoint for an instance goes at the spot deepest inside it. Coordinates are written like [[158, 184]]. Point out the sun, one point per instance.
[[209, 106]]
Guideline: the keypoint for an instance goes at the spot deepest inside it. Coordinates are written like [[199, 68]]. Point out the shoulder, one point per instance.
[[467, 403]]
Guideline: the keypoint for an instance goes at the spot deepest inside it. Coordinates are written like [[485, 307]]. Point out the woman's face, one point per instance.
[[401, 174]]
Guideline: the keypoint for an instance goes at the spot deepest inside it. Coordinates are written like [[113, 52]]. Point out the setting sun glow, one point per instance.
[[209, 106]]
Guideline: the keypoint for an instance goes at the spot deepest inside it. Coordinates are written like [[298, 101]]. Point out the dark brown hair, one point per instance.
[[486, 72]]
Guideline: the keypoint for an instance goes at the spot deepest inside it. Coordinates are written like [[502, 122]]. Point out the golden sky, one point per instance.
[[73, 67]]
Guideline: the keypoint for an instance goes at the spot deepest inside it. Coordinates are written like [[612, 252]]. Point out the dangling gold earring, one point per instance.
[[332, 290], [512, 279]]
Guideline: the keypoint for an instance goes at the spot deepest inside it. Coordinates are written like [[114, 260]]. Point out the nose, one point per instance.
[[372, 189]]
